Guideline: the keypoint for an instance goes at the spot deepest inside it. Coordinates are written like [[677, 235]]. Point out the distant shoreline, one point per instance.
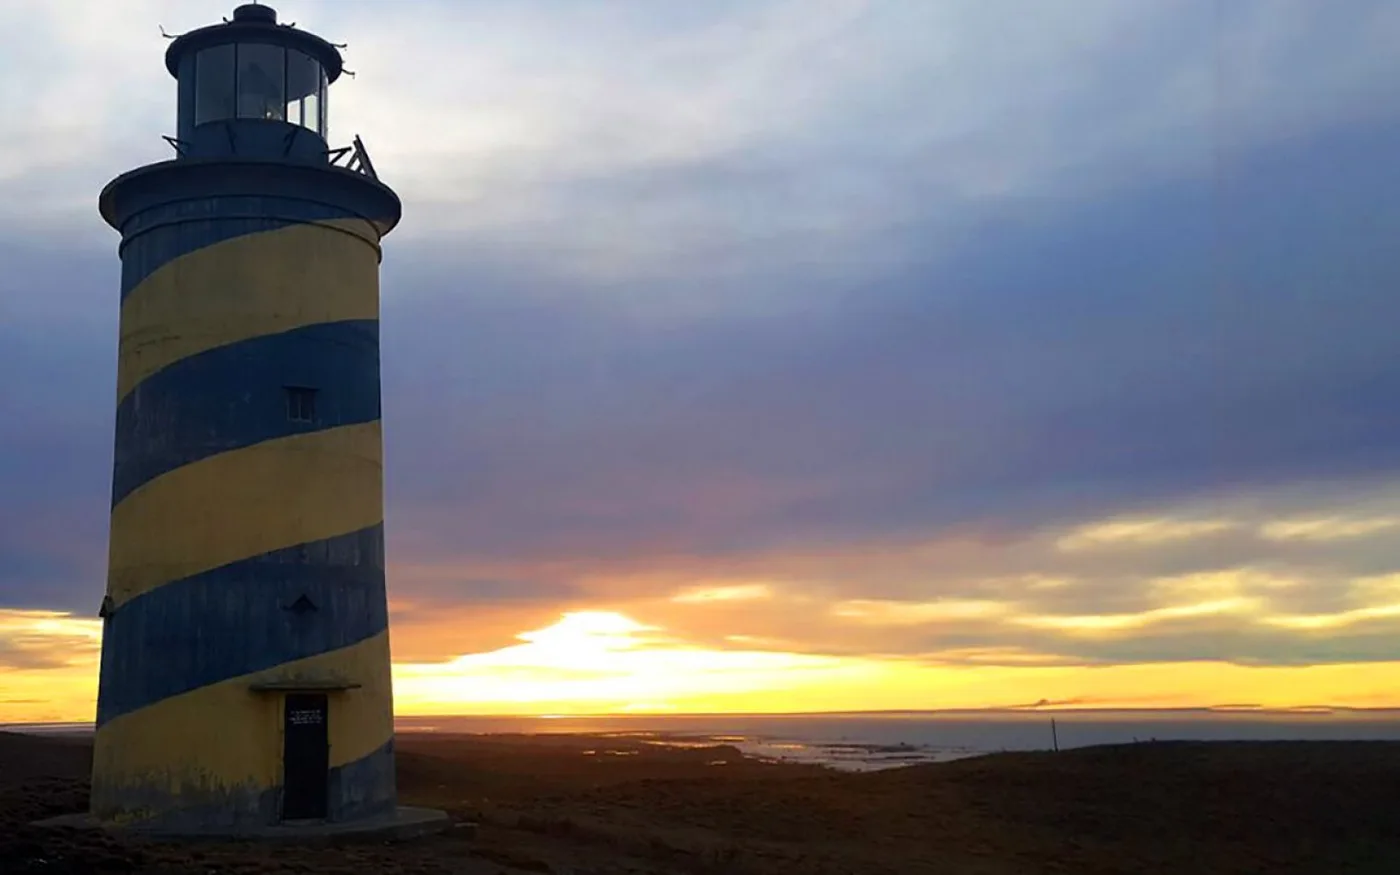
[[1015, 711], [876, 741]]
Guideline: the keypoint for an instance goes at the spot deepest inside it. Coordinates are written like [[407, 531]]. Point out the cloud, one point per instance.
[[837, 328], [913, 407], [1327, 529], [1355, 616], [36, 640], [1137, 532], [893, 613], [953, 599], [727, 593]]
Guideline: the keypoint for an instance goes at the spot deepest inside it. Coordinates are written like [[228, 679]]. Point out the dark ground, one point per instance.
[[544, 804]]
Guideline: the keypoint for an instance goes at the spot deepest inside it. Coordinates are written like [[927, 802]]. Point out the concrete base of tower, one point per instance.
[[405, 822]]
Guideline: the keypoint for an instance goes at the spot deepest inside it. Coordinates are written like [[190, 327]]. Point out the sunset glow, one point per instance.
[[597, 662], [781, 634], [759, 356]]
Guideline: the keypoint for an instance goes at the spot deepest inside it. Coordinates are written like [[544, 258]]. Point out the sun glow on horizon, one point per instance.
[[594, 659], [605, 661]]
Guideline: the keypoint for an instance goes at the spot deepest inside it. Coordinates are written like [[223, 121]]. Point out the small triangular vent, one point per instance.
[[302, 605]]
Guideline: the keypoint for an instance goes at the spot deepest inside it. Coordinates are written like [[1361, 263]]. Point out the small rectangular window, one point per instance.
[[301, 404]]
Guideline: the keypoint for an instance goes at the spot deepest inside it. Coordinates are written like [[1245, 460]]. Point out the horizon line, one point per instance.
[[1004, 709], [1240, 709]]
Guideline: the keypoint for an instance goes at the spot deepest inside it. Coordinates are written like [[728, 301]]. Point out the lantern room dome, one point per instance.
[[254, 23]]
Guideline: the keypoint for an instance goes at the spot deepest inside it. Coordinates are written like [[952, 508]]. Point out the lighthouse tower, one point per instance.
[[245, 650]]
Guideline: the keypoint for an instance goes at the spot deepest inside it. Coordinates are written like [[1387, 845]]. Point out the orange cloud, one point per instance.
[[596, 662], [1140, 532], [48, 666], [606, 661]]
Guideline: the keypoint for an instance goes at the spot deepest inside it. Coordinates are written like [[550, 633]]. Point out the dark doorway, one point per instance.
[[305, 757]]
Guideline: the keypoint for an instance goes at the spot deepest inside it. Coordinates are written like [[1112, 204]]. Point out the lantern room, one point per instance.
[[252, 87]]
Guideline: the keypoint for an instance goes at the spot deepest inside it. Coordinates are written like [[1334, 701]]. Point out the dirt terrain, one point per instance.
[[580, 804]]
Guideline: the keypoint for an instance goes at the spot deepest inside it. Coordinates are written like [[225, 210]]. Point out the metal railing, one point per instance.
[[358, 159], [355, 156]]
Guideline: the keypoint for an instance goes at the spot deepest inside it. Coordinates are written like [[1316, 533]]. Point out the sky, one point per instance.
[[791, 355]]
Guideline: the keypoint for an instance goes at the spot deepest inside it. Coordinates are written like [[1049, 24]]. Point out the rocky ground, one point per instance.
[[579, 804]]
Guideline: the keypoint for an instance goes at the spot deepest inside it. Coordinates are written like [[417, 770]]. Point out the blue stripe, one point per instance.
[[364, 787], [235, 396], [236, 619]]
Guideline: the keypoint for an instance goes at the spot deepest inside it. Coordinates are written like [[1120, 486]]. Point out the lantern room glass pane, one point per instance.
[[304, 90], [213, 83], [261, 81], [312, 106]]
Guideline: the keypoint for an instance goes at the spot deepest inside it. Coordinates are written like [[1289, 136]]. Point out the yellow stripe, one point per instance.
[[245, 502], [246, 287], [225, 737]]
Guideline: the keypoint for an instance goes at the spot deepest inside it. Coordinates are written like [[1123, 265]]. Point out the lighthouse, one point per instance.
[[245, 652]]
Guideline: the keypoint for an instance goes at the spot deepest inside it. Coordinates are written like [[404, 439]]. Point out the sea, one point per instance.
[[866, 741]]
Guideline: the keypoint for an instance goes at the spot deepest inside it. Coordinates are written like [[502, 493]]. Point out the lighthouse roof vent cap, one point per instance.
[[255, 13]]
